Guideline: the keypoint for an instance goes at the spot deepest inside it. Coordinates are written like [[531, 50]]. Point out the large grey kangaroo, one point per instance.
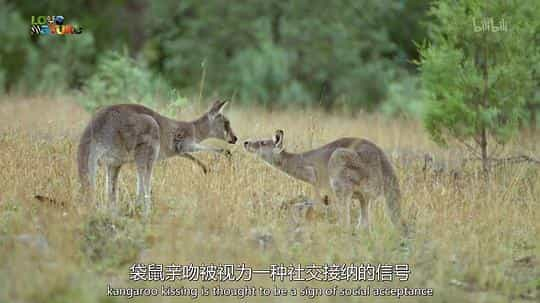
[[348, 167], [124, 133]]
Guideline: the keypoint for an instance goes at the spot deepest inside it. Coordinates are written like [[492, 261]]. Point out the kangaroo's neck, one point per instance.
[[293, 165], [198, 130], [201, 128]]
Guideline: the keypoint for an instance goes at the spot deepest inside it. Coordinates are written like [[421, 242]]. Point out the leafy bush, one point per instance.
[[175, 102], [365, 86], [263, 75], [478, 80], [404, 97], [15, 46], [48, 65], [69, 63], [285, 52], [121, 79]]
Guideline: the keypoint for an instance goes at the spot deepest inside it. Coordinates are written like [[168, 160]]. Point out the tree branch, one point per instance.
[[471, 148]]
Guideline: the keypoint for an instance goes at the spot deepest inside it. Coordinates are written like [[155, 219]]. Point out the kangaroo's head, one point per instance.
[[213, 124], [267, 149], [218, 125]]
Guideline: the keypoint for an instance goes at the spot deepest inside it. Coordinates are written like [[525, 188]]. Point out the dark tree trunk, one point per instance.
[[276, 23], [135, 10], [485, 103], [325, 95], [484, 150], [534, 116]]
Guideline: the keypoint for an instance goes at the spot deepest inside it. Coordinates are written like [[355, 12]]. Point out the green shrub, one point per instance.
[[121, 79], [478, 81], [284, 52], [263, 75], [175, 102], [69, 62], [365, 86], [50, 64], [405, 97], [15, 46]]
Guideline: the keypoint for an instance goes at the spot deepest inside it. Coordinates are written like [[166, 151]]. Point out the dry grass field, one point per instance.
[[472, 242]]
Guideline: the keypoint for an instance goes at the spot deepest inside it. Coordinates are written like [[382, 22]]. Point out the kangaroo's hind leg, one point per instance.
[[146, 154], [344, 195], [342, 179], [89, 179], [346, 172], [363, 220], [112, 172]]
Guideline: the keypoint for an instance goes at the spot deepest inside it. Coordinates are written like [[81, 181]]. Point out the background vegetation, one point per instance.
[[351, 54], [268, 52]]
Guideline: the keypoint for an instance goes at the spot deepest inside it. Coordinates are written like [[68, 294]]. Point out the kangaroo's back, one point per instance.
[[125, 133], [361, 163], [103, 132], [353, 168]]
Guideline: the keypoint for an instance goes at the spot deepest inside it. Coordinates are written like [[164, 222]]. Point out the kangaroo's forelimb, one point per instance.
[[197, 161]]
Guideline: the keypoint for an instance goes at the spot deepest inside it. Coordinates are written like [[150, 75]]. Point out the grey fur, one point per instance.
[[125, 133], [351, 168]]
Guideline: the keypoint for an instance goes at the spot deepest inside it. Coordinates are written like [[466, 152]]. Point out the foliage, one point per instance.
[[15, 47], [70, 62], [175, 103], [270, 52], [278, 52], [45, 64], [264, 74], [121, 79], [405, 97], [477, 80]]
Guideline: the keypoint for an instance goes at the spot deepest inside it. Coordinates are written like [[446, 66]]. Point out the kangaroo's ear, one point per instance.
[[278, 140], [217, 108]]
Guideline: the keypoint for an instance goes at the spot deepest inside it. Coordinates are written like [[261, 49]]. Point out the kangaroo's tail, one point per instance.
[[392, 194], [85, 162]]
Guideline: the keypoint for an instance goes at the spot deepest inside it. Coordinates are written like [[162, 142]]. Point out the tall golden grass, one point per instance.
[[473, 242]]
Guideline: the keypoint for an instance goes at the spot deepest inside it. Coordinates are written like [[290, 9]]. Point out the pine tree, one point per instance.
[[477, 71]]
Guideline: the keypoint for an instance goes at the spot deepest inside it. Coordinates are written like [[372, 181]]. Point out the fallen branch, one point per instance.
[[515, 160], [507, 160]]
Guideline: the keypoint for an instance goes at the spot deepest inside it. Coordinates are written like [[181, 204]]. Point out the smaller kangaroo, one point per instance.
[[124, 133], [351, 168]]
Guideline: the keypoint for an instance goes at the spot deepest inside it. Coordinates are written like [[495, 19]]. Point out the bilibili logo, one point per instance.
[[53, 25], [489, 25]]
